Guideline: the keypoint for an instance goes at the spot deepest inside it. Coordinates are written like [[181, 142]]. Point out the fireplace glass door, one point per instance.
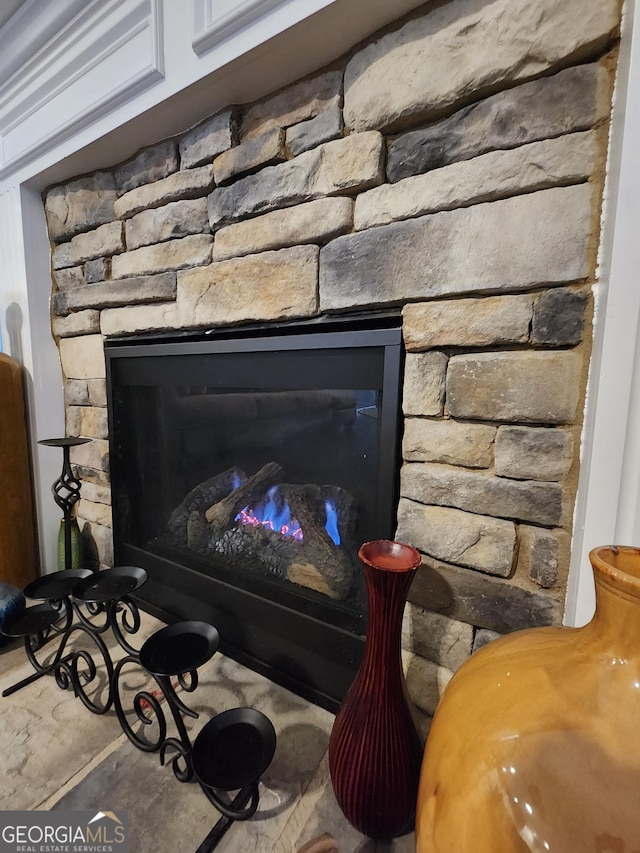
[[260, 463]]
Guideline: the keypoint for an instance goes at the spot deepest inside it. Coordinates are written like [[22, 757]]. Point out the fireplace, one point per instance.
[[247, 468], [359, 187]]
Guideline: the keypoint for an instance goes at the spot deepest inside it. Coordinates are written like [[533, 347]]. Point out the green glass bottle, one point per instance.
[[76, 546]]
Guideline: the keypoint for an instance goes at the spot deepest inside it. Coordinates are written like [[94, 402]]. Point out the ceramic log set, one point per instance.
[[535, 744]]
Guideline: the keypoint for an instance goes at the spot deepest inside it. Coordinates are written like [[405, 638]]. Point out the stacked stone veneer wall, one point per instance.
[[454, 166]]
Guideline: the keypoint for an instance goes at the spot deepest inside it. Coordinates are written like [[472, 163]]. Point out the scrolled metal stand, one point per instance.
[[62, 619], [66, 489], [79, 603], [148, 709]]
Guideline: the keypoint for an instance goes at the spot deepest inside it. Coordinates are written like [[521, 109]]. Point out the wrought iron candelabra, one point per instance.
[[232, 750]]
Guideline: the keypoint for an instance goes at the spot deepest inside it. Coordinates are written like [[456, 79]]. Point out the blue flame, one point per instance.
[[274, 513], [331, 524]]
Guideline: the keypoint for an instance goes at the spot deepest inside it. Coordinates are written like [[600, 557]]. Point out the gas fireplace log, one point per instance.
[[320, 564], [197, 531], [201, 497], [222, 513]]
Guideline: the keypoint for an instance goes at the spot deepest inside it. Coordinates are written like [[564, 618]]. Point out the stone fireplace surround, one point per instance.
[[470, 198]]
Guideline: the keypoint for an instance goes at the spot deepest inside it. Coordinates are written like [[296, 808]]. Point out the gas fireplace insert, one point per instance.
[[247, 467]]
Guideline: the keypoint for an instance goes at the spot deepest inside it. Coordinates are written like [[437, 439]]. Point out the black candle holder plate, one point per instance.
[[68, 441], [234, 749], [32, 621], [178, 648], [56, 585], [110, 584]]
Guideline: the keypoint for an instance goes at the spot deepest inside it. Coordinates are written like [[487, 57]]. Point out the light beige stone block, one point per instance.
[[94, 454], [436, 60], [436, 637], [97, 391], [314, 222], [80, 205], [472, 491], [189, 183], [426, 681], [263, 150], [347, 165], [105, 240], [98, 513], [170, 222], [534, 387], [485, 321], [72, 420], [461, 538], [76, 392], [87, 421], [68, 278], [96, 493], [83, 357], [533, 453], [294, 104], [139, 318], [190, 251], [92, 475], [269, 286], [424, 383], [98, 541], [567, 160], [80, 323], [449, 441]]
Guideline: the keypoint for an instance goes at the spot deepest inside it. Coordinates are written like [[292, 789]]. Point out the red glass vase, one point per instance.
[[375, 749]]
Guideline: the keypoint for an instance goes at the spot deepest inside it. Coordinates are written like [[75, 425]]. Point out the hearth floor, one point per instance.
[[54, 754]]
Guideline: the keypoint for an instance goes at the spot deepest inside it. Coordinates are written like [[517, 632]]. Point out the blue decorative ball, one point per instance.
[[11, 603]]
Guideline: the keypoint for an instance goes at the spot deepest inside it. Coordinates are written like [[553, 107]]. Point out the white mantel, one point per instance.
[[86, 83]]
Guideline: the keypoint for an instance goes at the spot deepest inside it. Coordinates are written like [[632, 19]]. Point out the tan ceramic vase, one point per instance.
[[536, 743]]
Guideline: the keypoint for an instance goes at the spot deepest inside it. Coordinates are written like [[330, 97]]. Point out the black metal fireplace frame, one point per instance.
[[304, 654]]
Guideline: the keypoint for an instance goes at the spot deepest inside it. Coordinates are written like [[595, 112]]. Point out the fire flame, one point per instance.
[[274, 514]]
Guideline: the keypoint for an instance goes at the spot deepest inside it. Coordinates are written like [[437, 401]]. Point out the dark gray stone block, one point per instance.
[[459, 251], [127, 291], [541, 109], [558, 317], [327, 125], [97, 270], [481, 600], [151, 164]]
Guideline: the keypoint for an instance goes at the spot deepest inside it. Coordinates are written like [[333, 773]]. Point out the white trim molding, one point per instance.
[[608, 501], [112, 50], [217, 20]]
